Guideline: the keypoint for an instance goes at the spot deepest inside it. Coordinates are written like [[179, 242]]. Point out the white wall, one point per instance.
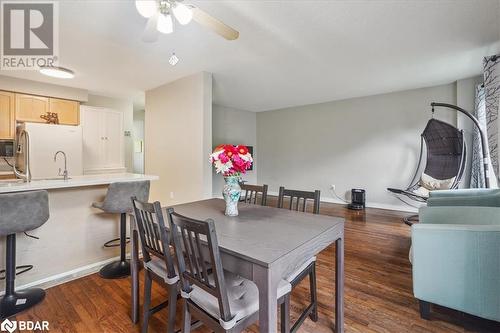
[[127, 108], [138, 135], [42, 88], [178, 129], [370, 142], [233, 126]]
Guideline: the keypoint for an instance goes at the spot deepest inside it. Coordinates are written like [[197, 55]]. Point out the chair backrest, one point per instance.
[[118, 196], [252, 192], [23, 211], [153, 234], [298, 196], [196, 242]]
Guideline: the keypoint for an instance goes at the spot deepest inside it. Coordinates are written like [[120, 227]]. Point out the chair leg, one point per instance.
[[14, 302], [285, 315], [186, 317], [425, 309], [172, 305], [314, 293], [147, 301], [118, 269]]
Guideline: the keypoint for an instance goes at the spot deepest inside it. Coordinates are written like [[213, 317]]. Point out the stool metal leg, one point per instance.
[[14, 302], [118, 269]]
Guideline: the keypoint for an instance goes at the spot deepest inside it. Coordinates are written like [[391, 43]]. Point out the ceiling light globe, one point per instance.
[[165, 24], [146, 8], [182, 13]]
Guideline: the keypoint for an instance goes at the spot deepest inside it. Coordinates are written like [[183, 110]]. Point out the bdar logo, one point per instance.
[[9, 326]]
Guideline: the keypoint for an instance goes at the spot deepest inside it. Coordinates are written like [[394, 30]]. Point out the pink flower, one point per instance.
[[223, 157]]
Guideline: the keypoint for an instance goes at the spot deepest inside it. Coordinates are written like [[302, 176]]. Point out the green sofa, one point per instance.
[[456, 252]]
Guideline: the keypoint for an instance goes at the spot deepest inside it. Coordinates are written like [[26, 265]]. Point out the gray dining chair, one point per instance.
[[20, 212], [117, 201], [254, 194], [157, 258], [223, 301], [308, 268]]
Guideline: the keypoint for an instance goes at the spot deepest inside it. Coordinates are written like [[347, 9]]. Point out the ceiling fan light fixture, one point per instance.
[[173, 59], [182, 13], [146, 8], [165, 24], [57, 72]]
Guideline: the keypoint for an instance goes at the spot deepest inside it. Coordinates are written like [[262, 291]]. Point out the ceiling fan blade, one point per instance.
[[214, 24], [150, 34]]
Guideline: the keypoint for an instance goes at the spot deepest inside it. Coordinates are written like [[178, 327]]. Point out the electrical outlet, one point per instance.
[[171, 195], [332, 187]]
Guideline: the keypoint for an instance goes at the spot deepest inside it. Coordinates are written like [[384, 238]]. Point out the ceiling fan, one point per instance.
[[160, 15]]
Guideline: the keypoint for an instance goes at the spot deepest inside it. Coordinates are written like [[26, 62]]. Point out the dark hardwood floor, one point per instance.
[[378, 289]]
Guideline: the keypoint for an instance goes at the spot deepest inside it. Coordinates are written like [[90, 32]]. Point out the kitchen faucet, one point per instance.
[[65, 173]]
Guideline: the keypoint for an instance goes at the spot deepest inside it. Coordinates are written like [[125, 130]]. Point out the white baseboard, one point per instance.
[[64, 277], [400, 208]]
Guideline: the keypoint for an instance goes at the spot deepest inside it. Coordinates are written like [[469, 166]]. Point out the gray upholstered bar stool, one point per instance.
[[20, 212], [118, 200]]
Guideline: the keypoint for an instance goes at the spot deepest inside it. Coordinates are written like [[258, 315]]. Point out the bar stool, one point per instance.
[[118, 200], [20, 212]]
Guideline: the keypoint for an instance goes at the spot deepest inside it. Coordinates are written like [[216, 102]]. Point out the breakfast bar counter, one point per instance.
[[9, 186], [70, 243]]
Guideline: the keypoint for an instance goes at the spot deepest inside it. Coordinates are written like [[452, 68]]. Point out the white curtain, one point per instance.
[[492, 104], [477, 171], [486, 110]]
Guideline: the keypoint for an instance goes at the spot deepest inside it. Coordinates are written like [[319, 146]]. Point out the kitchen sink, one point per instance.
[[10, 182], [52, 178]]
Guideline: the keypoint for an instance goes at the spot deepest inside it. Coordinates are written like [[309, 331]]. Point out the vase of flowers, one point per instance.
[[231, 161]]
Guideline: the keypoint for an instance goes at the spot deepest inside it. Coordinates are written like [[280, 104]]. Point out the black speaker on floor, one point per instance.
[[357, 199]]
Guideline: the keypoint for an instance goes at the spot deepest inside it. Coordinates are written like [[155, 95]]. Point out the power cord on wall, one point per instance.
[[8, 163], [332, 189]]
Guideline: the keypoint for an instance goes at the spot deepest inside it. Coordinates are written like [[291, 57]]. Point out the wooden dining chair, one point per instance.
[[308, 268], [296, 197], [223, 301], [253, 192], [157, 258]]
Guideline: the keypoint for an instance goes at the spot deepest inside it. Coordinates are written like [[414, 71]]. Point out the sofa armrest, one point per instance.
[[486, 198], [460, 215], [462, 192], [458, 266]]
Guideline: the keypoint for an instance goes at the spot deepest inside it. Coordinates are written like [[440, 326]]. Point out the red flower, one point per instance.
[[243, 150], [219, 147], [230, 150]]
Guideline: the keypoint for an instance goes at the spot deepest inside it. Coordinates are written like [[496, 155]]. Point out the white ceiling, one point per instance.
[[289, 52]]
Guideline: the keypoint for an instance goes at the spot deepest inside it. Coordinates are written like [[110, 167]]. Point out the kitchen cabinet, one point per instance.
[[29, 108], [103, 140], [67, 111], [7, 114]]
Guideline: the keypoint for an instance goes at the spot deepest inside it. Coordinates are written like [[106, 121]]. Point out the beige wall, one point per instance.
[[178, 139], [127, 108], [234, 126], [42, 88], [370, 142]]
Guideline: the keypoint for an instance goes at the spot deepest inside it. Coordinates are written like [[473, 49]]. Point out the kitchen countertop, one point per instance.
[[75, 181]]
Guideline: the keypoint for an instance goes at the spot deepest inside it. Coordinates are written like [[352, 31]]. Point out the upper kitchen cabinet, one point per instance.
[[67, 111], [103, 140], [29, 108], [7, 114]]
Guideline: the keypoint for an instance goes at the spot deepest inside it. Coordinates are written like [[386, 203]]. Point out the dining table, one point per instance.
[[263, 244]]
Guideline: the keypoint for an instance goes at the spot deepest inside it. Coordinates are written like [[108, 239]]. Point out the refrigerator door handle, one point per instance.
[[26, 176]]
